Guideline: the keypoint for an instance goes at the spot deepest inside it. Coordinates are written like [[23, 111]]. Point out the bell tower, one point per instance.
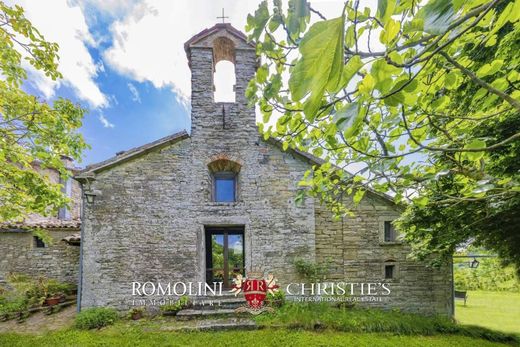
[[210, 117]]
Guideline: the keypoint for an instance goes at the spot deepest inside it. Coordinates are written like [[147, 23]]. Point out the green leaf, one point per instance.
[[437, 16], [358, 196], [258, 21], [261, 73], [321, 64], [366, 85], [490, 69], [350, 38], [421, 201], [390, 31], [385, 9], [349, 70], [348, 119], [475, 144], [298, 16]]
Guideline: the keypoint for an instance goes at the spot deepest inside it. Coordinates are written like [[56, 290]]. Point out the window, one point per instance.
[[224, 80], [390, 234], [389, 271], [63, 212], [224, 77], [38, 242], [224, 186]]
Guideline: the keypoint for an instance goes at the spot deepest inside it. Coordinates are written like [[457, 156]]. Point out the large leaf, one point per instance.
[[321, 64], [349, 70], [385, 9], [348, 118], [298, 16], [437, 15], [258, 21], [475, 144]]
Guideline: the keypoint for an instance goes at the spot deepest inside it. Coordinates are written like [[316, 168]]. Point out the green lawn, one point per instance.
[[291, 325], [131, 336], [493, 310]]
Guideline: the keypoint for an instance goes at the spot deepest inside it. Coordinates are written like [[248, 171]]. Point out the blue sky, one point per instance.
[[124, 61]]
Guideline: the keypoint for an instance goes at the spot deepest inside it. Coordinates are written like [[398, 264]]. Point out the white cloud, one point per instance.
[[113, 8], [66, 25], [148, 43], [105, 122], [135, 93]]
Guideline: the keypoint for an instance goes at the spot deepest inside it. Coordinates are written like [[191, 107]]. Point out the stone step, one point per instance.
[[215, 324], [226, 324], [193, 313], [212, 303]]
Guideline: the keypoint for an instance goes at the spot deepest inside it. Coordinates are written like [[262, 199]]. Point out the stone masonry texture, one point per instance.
[[58, 260], [148, 222]]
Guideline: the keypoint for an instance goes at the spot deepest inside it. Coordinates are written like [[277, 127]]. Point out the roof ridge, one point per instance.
[[131, 153]]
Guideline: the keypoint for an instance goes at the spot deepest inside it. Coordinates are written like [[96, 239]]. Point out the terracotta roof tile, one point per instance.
[[54, 224]]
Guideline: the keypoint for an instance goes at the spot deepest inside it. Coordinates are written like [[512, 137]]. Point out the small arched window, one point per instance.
[[224, 78], [224, 174]]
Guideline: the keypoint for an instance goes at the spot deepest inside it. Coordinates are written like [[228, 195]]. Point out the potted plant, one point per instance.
[[136, 313], [53, 292], [173, 309]]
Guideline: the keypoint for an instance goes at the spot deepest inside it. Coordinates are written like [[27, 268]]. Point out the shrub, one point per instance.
[[95, 318], [490, 275], [13, 308], [35, 291], [277, 299], [183, 302], [311, 271]]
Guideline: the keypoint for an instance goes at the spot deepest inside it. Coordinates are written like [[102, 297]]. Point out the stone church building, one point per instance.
[[220, 201]]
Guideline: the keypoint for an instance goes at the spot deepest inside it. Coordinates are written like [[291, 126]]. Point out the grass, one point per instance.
[[322, 316], [121, 335], [494, 310], [293, 325]]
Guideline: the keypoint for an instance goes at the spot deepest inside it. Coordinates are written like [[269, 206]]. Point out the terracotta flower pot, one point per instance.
[[54, 300], [137, 315]]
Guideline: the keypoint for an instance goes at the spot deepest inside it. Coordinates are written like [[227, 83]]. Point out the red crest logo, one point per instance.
[[255, 289]]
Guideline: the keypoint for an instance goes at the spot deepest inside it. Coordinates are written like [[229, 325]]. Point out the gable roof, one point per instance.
[[210, 31], [215, 29], [124, 156]]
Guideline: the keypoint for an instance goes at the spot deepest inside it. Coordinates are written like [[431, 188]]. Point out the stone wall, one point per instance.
[[148, 224], [74, 206], [18, 254], [59, 260], [355, 251]]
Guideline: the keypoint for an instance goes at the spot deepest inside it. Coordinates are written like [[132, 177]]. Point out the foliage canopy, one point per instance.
[[32, 132], [419, 100]]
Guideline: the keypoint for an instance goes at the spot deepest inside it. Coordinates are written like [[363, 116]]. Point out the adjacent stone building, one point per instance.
[[23, 252], [206, 206]]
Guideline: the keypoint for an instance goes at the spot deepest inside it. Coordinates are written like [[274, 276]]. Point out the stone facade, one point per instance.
[[19, 254], [354, 249], [154, 202], [59, 260]]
